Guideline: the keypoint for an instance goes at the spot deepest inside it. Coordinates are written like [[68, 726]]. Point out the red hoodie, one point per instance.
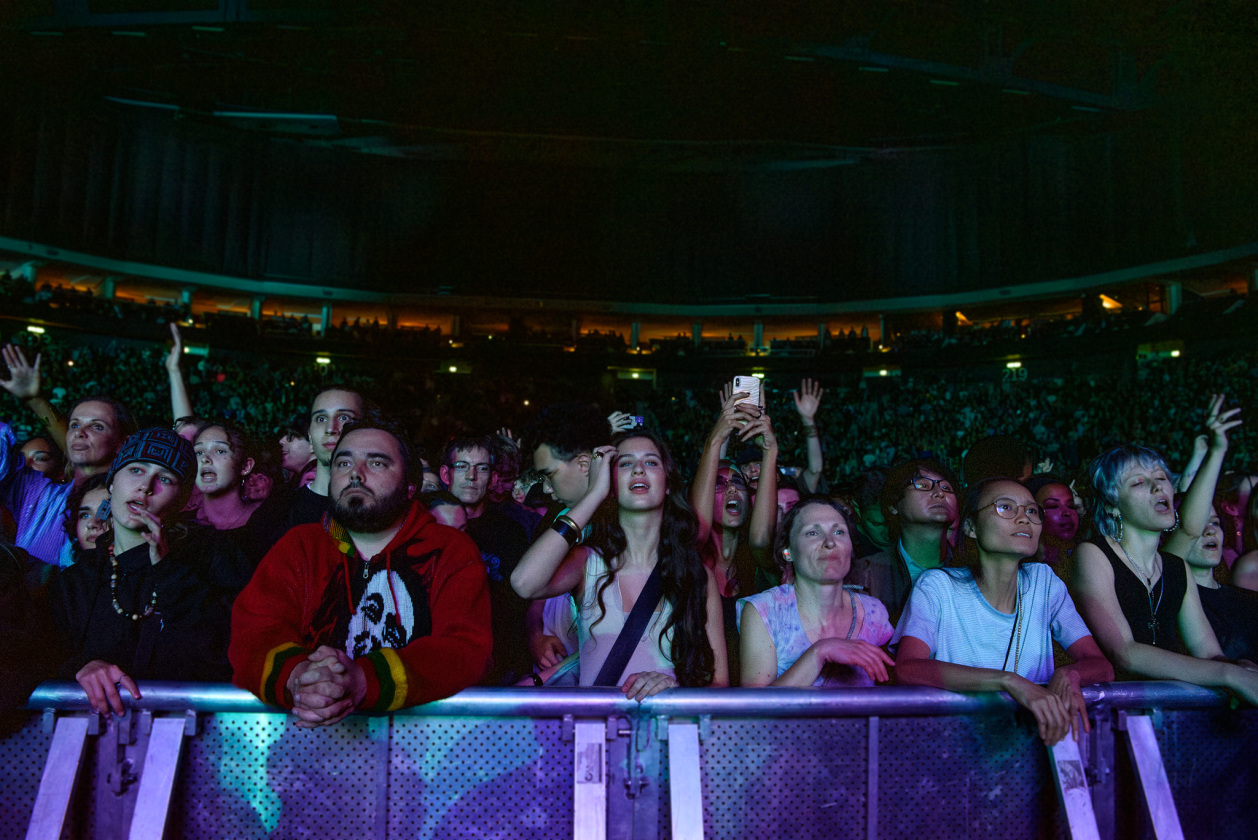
[[415, 617]]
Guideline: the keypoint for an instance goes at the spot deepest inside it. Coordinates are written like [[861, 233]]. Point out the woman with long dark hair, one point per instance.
[[638, 518]]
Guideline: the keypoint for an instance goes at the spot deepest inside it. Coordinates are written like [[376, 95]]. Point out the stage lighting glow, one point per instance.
[[1013, 365], [35, 330], [323, 360]]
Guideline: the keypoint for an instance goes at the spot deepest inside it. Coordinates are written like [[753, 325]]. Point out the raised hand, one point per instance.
[[154, 535], [1219, 422], [174, 357], [761, 429], [24, 379], [620, 422], [808, 400], [601, 472]]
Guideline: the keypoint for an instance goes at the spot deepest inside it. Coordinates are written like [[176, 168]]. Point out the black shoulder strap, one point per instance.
[[635, 625]]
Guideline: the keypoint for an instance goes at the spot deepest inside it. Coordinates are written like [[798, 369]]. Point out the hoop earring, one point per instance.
[[1119, 516], [1174, 527]]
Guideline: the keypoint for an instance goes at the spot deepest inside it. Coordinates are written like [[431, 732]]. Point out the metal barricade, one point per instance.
[[195, 761]]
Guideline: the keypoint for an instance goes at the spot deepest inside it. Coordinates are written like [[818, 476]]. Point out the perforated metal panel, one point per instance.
[[22, 756], [784, 779], [475, 778], [1210, 763], [965, 777], [261, 776]]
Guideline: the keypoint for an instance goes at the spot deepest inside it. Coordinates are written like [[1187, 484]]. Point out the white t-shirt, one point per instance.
[[947, 611]]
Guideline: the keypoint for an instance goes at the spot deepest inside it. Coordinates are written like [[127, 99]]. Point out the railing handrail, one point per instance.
[[890, 701]]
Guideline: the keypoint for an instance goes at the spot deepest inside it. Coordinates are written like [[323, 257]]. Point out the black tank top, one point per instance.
[[1153, 616]]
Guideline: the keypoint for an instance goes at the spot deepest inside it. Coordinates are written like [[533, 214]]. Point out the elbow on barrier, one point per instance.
[[197, 760]]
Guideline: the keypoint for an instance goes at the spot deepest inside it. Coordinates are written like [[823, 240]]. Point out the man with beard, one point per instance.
[[377, 608]]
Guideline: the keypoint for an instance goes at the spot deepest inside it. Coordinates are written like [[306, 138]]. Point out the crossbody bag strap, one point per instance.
[[635, 625]]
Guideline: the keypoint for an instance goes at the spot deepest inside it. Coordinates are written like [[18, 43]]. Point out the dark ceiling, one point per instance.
[[689, 85]]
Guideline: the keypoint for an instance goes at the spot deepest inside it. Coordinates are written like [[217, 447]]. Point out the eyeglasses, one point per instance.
[[722, 483], [1009, 509], [461, 467], [921, 482]]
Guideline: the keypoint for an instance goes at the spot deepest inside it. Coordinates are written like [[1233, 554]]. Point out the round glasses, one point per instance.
[[921, 482], [1009, 509]]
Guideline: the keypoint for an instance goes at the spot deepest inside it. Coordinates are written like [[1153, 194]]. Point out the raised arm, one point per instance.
[[703, 488], [551, 566], [1194, 512], [25, 382], [180, 404], [807, 401], [765, 506]]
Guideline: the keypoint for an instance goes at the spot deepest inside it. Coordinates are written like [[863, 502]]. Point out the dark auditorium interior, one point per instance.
[[963, 218]]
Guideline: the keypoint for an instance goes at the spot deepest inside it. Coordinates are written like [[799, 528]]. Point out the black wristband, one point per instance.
[[566, 531]]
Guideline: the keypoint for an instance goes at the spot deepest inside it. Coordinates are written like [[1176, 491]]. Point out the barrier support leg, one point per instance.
[[157, 779], [61, 772], [589, 794], [685, 788], [1072, 789], [1154, 785]]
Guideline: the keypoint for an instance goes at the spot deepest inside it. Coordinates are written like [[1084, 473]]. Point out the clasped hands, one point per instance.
[[326, 687]]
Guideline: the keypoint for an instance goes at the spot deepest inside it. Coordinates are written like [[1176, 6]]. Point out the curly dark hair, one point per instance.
[[684, 578]]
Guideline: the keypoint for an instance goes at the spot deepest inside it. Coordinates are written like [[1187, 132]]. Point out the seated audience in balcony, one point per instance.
[[152, 599], [641, 553], [377, 608], [990, 625], [919, 504], [814, 631], [1135, 596], [225, 459]]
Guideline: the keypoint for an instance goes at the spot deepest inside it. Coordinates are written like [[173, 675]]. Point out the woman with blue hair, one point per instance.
[[1135, 596]]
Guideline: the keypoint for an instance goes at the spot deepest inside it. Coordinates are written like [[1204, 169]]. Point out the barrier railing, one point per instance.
[[194, 760]]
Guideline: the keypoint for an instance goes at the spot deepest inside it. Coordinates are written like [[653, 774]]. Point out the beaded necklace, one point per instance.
[[113, 592]]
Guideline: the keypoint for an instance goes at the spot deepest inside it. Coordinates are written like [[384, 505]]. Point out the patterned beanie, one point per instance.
[[157, 446]]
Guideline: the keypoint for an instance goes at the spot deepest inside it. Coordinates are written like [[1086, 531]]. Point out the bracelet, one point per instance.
[[566, 528], [537, 679], [811, 431], [570, 522]]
